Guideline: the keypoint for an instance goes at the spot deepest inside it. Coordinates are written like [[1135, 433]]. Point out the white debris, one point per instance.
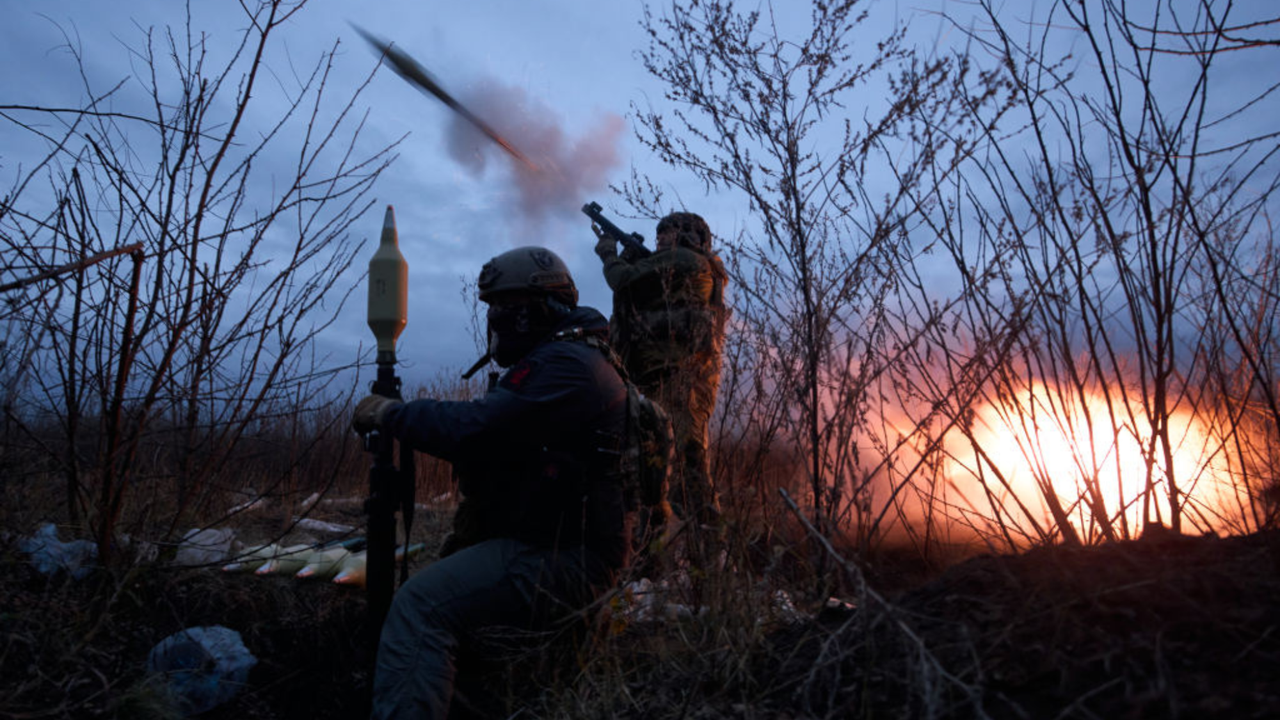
[[312, 499], [784, 609], [50, 555], [321, 526], [253, 504], [144, 551], [208, 546], [645, 601], [351, 502]]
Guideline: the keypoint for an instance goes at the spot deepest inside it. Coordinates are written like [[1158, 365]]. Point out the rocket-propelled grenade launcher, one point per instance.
[[633, 241], [391, 488]]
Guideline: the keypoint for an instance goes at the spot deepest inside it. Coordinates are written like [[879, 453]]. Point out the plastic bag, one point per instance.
[[210, 546], [205, 666], [49, 554]]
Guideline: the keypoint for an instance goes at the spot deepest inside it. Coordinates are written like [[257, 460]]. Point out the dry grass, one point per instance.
[[1149, 629], [78, 648], [1176, 627]]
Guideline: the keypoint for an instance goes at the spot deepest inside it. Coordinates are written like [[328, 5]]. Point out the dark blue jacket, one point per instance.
[[539, 450]]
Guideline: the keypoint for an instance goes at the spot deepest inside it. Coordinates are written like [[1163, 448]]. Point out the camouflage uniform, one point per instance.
[[668, 327]]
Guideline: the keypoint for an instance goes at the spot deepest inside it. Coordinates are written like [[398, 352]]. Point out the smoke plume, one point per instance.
[[568, 169]]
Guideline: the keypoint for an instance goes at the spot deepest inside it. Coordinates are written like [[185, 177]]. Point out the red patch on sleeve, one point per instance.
[[518, 375]]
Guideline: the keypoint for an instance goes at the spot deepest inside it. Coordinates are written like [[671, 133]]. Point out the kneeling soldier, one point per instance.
[[535, 455]]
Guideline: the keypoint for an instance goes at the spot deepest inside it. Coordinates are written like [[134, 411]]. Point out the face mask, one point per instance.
[[514, 330]]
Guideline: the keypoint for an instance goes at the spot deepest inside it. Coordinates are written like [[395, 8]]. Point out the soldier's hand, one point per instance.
[[632, 254], [606, 246], [371, 412]]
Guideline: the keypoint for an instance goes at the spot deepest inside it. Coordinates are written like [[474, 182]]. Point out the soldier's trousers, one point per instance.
[[689, 396], [469, 598]]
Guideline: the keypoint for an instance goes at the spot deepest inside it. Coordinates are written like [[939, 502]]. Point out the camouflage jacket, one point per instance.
[[667, 307]]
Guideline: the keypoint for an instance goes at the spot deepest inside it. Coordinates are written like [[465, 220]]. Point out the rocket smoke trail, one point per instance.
[[554, 172], [411, 70], [571, 167]]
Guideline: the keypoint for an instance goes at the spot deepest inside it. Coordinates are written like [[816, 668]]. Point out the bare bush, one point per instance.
[[1024, 296], [1119, 223], [163, 367], [759, 114]]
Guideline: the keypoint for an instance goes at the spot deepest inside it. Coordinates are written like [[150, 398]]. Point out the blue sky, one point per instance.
[[572, 62]]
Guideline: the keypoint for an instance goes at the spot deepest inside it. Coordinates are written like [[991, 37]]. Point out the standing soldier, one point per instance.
[[668, 327]]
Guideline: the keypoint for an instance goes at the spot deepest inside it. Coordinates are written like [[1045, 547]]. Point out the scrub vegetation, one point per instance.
[[998, 418]]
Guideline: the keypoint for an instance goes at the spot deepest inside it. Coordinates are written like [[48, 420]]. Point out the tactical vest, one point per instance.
[[646, 451]]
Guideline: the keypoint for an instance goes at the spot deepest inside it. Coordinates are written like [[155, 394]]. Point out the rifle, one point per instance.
[[390, 487], [632, 241]]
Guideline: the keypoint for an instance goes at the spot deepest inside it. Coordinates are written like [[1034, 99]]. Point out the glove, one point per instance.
[[371, 412], [606, 246], [632, 254]]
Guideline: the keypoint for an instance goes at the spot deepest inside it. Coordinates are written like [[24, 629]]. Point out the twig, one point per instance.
[[974, 694], [77, 265]]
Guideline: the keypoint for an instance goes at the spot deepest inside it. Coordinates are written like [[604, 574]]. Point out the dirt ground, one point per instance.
[[1161, 628], [1171, 628]]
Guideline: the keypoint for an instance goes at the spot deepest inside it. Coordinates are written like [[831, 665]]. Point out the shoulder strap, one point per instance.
[[718, 277], [579, 334]]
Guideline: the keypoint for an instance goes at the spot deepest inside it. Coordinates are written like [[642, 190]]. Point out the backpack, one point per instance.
[[648, 452], [646, 448]]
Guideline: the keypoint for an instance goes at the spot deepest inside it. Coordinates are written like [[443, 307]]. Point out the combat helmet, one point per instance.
[[691, 230], [528, 269], [529, 291]]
